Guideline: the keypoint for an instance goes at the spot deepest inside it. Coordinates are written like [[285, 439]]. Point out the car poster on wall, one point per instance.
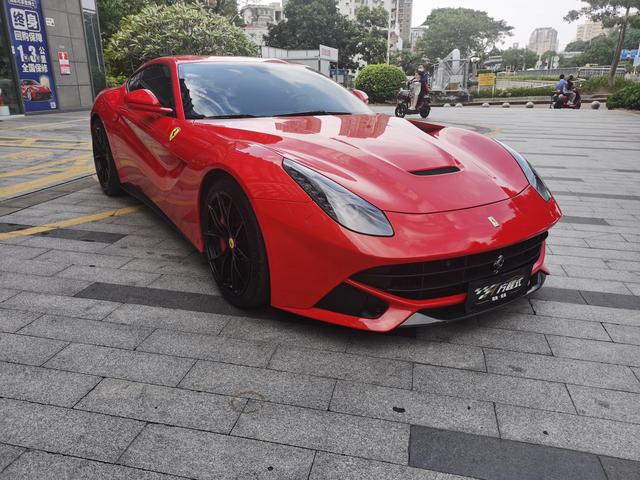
[[29, 45]]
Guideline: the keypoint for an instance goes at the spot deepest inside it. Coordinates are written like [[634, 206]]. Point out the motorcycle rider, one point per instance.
[[563, 87], [571, 89]]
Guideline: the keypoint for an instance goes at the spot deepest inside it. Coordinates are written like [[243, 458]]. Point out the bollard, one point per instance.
[[447, 105], [506, 105], [486, 105], [595, 105], [529, 105], [459, 105]]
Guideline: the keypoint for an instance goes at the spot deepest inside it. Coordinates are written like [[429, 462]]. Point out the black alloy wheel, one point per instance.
[[234, 247], [103, 160]]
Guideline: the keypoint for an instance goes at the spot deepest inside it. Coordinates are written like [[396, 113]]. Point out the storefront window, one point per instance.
[[8, 87], [94, 46]]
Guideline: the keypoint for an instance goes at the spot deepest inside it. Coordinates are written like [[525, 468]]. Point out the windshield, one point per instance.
[[228, 90]]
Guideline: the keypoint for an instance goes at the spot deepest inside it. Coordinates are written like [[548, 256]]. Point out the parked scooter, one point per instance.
[[405, 97]]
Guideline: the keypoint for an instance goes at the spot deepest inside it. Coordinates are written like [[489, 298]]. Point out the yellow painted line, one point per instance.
[[43, 167], [26, 155], [70, 223], [58, 146], [78, 169], [495, 131]]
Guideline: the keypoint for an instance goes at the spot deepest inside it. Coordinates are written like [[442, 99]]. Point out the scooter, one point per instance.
[[404, 101], [560, 100]]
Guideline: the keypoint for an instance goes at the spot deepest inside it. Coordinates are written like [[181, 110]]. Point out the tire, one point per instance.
[[401, 110], [425, 111], [103, 161], [234, 247]]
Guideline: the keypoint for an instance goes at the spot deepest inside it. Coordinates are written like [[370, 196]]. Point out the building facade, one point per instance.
[[590, 30], [543, 39], [50, 55], [257, 19], [415, 34]]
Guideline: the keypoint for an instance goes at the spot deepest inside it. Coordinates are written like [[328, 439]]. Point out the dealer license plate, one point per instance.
[[493, 291]]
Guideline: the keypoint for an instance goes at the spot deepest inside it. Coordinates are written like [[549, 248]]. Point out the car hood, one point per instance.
[[395, 164]]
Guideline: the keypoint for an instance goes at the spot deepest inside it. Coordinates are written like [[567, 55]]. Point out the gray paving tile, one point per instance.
[[343, 366], [260, 384], [18, 251], [204, 455], [124, 364], [467, 334], [564, 370], [30, 267], [60, 305], [168, 319], [108, 275], [48, 466], [492, 388], [327, 431], [13, 320], [8, 454], [302, 333], [82, 235], [61, 430], [409, 349], [43, 385], [64, 244], [602, 273], [584, 220], [617, 469], [596, 402], [37, 283], [179, 283], [546, 325], [486, 457], [6, 293], [623, 333], [631, 302], [87, 331], [28, 350], [169, 267], [602, 437], [79, 258], [170, 406], [587, 312], [417, 408], [605, 352], [328, 466], [208, 347], [156, 297]]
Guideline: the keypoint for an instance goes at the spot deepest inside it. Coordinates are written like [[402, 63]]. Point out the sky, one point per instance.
[[523, 15]]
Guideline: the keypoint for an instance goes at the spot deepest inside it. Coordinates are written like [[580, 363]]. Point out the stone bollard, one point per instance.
[[595, 105], [506, 105], [529, 105], [486, 105], [459, 105], [447, 105]]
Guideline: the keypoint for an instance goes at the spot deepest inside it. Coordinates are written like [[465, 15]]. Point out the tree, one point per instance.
[[181, 28], [612, 13], [577, 46], [407, 60], [599, 51], [519, 58], [472, 31], [370, 34], [309, 23]]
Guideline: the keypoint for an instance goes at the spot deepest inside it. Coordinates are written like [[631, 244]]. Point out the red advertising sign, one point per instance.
[[65, 65]]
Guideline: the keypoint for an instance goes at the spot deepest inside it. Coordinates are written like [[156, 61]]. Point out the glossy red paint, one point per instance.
[[375, 156]]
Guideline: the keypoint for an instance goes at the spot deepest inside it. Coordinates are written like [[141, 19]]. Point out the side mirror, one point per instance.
[[146, 101], [361, 95]]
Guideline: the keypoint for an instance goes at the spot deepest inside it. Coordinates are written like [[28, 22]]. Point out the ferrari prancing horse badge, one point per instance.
[[174, 133]]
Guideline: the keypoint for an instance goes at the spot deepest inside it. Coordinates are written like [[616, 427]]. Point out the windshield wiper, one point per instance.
[[231, 116], [311, 113]]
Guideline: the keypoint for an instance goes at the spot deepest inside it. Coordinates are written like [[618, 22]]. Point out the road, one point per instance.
[[118, 359]]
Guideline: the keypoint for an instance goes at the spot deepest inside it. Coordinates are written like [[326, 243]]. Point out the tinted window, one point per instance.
[[217, 89], [156, 78]]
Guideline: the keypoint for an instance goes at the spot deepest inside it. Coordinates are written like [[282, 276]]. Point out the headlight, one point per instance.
[[533, 177], [344, 207]]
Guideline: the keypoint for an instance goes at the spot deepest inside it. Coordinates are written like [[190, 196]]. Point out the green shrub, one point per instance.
[[601, 83], [516, 92], [115, 80], [380, 82], [627, 97]]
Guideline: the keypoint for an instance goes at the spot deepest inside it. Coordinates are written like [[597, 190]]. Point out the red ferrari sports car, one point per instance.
[[303, 198], [33, 91]]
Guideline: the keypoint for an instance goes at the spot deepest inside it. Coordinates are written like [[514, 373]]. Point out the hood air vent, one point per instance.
[[435, 171]]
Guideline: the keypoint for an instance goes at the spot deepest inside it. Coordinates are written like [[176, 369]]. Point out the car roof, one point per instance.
[[201, 58]]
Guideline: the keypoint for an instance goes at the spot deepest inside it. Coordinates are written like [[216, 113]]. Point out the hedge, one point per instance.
[[601, 83], [516, 92], [627, 97], [381, 82]]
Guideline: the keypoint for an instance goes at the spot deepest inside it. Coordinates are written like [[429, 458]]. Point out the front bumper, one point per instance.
[[310, 255]]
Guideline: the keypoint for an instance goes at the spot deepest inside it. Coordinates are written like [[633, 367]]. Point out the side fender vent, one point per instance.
[[435, 171]]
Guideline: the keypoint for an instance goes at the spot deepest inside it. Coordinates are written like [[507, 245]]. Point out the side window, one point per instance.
[[156, 78]]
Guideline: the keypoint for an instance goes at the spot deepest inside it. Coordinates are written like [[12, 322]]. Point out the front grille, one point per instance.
[[443, 278]]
